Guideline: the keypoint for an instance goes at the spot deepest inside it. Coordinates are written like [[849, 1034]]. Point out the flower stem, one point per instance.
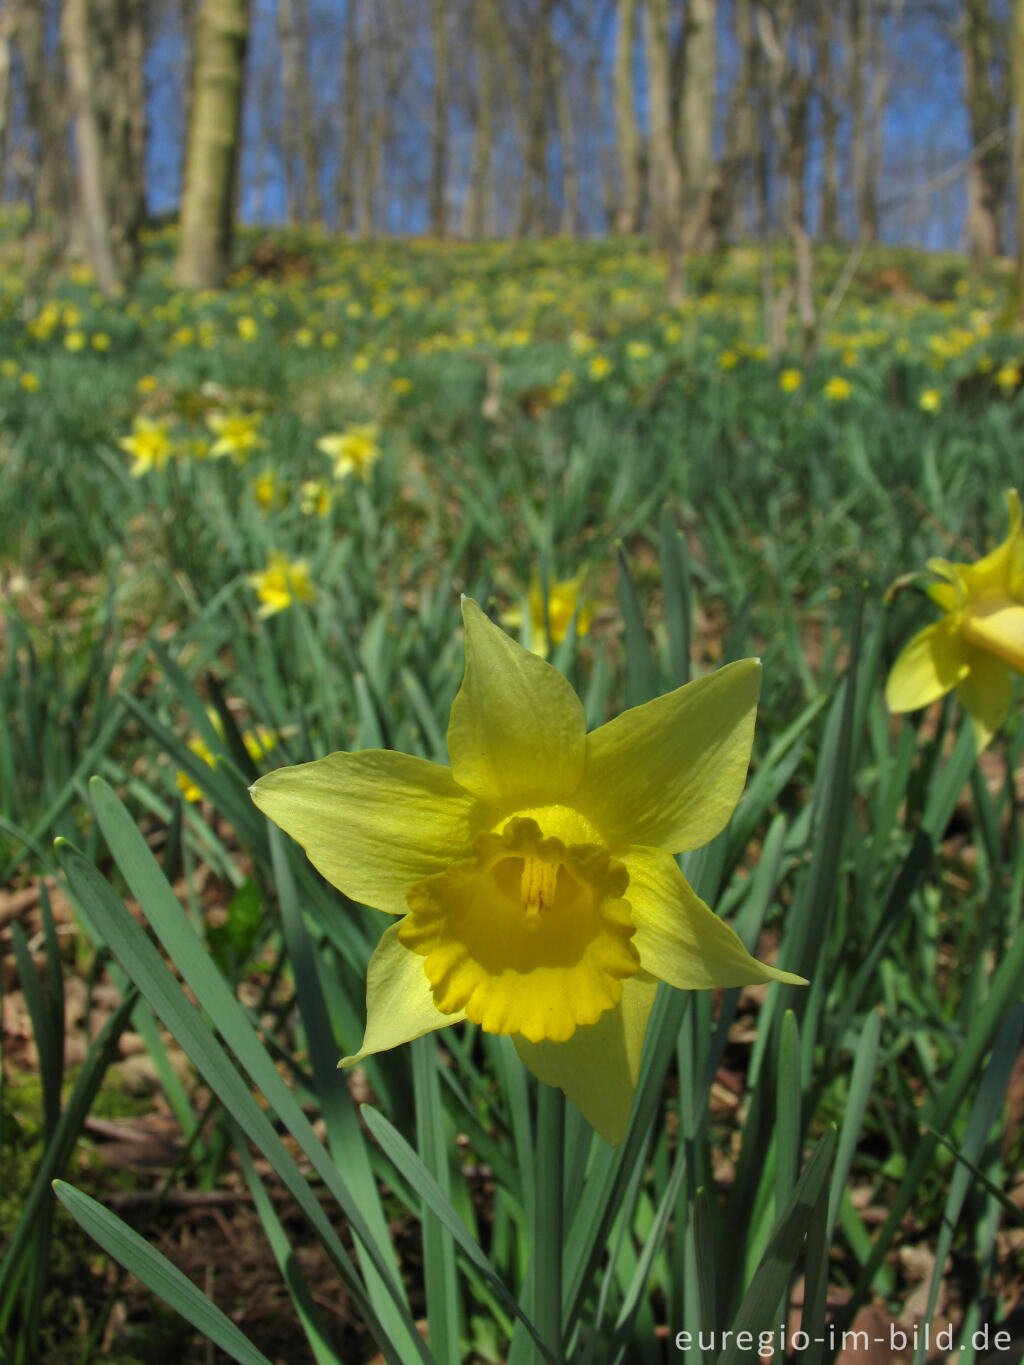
[[547, 1220]]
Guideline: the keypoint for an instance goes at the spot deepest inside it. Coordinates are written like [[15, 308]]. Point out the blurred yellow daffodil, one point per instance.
[[266, 489], [237, 433], [564, 601], [534, 880], [257, 743], [149, 444], [317, 498], [790, 381], [281, 583], [354, 451], [979, 640]]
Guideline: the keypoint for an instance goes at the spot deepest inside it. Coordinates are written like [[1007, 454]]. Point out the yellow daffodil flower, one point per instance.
[[838, 389], [150, 445], [266, 489], [979, 640], [563, 601], [237, 433], [354, 451], [258, 743], [281, 583], [930, 400], [1008, 378], [790, 381], [534, 880], [317, 498]]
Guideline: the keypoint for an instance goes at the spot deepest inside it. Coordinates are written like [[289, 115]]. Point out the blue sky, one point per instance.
[[924, 132]]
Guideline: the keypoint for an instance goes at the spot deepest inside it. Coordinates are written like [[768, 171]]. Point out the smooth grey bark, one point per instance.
[[345, 185], [987, 95], [697, 121], [570, 216], [479, 214], [627, 134], [91, 191], [439, 122], [208, 202], [664, 179]]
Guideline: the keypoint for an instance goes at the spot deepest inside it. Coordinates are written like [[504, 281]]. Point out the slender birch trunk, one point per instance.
[[828, 95], [664, 175], [439, 124], [92, 200], [479, 220], [533, 194], [570, 216], [207, 206], [1017, 95], [697, 121], [627, 135], [987, 99], [292, 78], [345, 190], [6, 30]]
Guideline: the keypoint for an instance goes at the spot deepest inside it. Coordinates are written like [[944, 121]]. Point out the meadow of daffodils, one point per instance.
[[234, 532]]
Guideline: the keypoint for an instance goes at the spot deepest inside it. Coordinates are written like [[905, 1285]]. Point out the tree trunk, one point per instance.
[[828, 95], [664, 175], [186, 80], [384, 73], [439, 126], [570, 216], [6, 29], [730, 209], [350, 119], [697, 122], [480, 205], [1017, 83], [45, 89], [117, 58], [207, 207], [534, 188], [292, 79], [627, 135], [92, 199], [987, 98], [864, 20], [309, 142]]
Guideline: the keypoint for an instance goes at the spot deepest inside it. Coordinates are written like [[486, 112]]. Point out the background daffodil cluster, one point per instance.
[[643, 493]]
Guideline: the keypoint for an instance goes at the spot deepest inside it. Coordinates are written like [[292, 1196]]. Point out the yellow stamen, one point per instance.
[[537, 887]]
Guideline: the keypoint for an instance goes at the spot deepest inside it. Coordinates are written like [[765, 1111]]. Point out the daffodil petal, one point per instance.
[[998, 627], [985, 695], [993, 573], [373, 822], [517, 732], [930, 665], [598, 1067], [399, 1002], [679, 939], [668, 774], [943, 595]]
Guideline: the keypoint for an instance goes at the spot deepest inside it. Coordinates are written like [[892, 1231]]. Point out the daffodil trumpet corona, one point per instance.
[[979, 640], [533, 881]]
